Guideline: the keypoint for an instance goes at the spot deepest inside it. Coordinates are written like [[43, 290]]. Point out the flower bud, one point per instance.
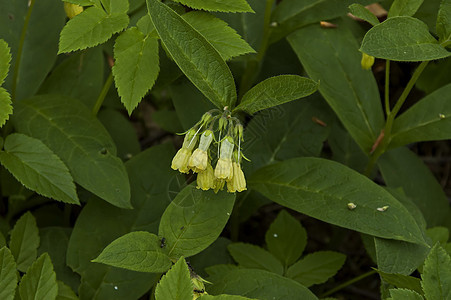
[[367, 61], [72, 9]]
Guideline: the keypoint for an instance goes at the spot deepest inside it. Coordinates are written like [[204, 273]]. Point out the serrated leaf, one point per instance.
[[404, 8], [363, 13], [38, 168], [194, 220], [225, 39], [260, 284], [275, 91], [24, 241], [402, 281], [195, 56], [70, 130], [65, 292], [5, 59], [350, 91], [286, 238], [444, 21], [40, 281], [403, 168], [115, 6], [404, 294], [402, 39], [322, 189], [254, 257], [90, 28], [137, 251], [436, 276], [213, 5], [176, 284], [8, 275], [6, 108], [316, 267], [438, 234], [427, 120], [136, 66]]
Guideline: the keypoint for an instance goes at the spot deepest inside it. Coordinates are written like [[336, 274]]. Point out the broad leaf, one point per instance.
[[444, 21], [40, 281], [8, 275], [322, 189], [90, 28], [65, 292], [194, 220], [316, 268], [136, 66], [69, 129], [176, 284], [350, 91], [363, 13], [402, 168], [223, 297], [402, 281], [38, 168], [5, 106], [213, 5], [115, 6], [402, 39], [436, 276], [404, 294], [225, 40], [427, 120], [24, 241], [137, 251], [254, 257], [275, 91], [260, 284], [195, 56], [438, 234], [286, 238], [404, 8], [100, 223]]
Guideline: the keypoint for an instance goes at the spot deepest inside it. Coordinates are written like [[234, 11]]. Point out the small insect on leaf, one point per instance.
[[383, 208], [351, 206], [163, 243]]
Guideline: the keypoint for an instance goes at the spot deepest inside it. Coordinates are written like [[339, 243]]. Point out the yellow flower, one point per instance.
[[218, 184], [367, 61], [198, 161], [238, 182], [224, 169], [206, 179], [181, 159], [72, 9]]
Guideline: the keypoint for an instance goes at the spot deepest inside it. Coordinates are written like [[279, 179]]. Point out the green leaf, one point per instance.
[[225, 39], [40, 281], [363, 13], [194, 220], [70, 130], [137, 251], [436, 276], [402, 281], [351, 91], [90, 28], [223, 297], [213, 5], [438, 234], [176, 284], [65, 292], [404, 8], [8, 275], [275, 91], [322, 189], [5, 59], [24, 241], [316, 267], [254, 257], [115, 6], [402, 39], [80, 76], [444, 21], [195, 56], [5, 106], [38, 168], [136, 66], [286, 238], [402, 168], [427, 120], [260, 284], [404, 294], [98, 225]]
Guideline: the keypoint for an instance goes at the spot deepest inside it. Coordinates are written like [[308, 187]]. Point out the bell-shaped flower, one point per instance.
[[199, 159], [181, 158], [224, 169], [238, 182], [206, 178]]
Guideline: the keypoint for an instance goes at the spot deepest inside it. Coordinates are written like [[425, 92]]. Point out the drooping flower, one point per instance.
[[199, 159], [224, 169], [206, 178], [367, 61], [181, 158], [238, 182]]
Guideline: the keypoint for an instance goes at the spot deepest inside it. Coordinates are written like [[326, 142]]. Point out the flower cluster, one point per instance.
[[226, 132]]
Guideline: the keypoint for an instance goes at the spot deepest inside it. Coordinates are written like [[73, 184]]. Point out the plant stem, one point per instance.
[[254, 63], [105, 89], [347, 283], [387, 87]]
